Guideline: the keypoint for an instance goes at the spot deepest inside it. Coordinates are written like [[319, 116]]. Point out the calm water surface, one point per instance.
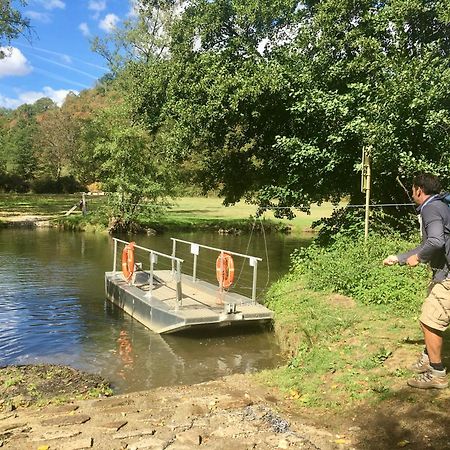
[[53, 309]]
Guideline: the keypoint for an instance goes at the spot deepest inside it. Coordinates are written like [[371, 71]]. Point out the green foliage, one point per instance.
[[62, 185], [12, 23], [350, 222], [286, 125], [130, 168], [351, 268]]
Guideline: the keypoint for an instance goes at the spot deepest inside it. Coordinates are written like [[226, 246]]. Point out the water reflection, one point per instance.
[[53, 310]]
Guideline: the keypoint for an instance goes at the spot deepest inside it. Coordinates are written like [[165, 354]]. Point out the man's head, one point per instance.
[[425, 185]]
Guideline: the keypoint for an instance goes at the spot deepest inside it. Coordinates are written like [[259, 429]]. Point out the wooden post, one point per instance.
[[365, 186], [83, 204]]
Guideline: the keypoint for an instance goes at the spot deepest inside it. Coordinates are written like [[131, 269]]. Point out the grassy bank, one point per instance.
[[343, 350], [187, 213]]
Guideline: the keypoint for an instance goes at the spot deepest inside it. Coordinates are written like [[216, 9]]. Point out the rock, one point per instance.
[[50, 435], [131, 434], [114, 426], [80, 444], [66, 420], [187, 410], [51, 410], [190, 437], [152, 443], [230, 402], [12, 426]]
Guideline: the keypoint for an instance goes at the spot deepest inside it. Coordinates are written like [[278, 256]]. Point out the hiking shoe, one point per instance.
[[421, 365], [431, 379]]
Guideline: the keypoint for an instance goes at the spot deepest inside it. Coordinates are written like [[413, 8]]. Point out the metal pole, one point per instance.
[[221, 295], [151, 275], [255, 270], [366, 220], [194, 269], [174, 248], [179, 292], [115, 257]]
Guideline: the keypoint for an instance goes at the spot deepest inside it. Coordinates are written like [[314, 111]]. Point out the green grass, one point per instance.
[[337, 354], [185, 213]]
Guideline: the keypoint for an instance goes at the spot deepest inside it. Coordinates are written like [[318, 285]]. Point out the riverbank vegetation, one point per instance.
[[347, 324]]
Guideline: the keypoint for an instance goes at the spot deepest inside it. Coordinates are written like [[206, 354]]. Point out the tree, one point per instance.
[[130, 168], [12, 23], [364, 73], [58, 140], [287, 128], [145, 36], [217, 100]]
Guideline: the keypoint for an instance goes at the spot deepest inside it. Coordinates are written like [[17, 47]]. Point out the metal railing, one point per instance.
[[153, 259], [195, 250]]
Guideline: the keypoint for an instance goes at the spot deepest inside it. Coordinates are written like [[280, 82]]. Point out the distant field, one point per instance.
[[212, 207], [183, 208]]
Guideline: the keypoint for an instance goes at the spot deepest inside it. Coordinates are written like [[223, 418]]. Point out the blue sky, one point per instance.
[[58, 59]]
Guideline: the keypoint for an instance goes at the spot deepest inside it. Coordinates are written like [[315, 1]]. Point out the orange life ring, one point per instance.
[[225, 270], [128, 261]]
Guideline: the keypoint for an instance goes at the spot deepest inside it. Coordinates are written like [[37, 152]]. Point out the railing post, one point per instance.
[[174, 248], [194, 269], [151, 274], [255, 270], [178, 280], [115, 257]]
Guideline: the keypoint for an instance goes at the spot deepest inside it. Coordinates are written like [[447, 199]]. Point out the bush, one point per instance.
[[350, 222], [12, 183], [351, 268], [63, 185]]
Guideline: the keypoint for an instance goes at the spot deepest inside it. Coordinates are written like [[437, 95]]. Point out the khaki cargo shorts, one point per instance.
[[436, 307]]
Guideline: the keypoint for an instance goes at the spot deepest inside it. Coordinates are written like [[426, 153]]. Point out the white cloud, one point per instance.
[[109, 23], [97, 6], [84, 28], [38, 17], [7, 102], [29, 97], [14, 64], [52, 4]]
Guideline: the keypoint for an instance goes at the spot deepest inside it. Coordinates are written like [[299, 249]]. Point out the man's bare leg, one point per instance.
[[433, 343]]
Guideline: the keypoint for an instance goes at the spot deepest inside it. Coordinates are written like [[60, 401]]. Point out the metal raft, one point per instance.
[[167, 301]]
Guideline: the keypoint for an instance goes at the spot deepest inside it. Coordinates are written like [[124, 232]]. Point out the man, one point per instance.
[[435, 250]]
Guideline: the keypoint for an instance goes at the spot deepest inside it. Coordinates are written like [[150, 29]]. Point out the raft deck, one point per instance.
[[167, 301]]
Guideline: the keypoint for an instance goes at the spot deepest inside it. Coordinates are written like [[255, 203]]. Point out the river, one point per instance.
[[53, 309]]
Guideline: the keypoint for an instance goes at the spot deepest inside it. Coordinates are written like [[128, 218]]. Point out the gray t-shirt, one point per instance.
[[435, 246]]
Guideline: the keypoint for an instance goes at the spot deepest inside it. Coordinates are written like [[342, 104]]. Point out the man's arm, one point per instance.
[[435, 241]]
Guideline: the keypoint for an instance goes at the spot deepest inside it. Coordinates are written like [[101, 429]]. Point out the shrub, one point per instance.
[[63, 185], [12, 183], [351, 268]]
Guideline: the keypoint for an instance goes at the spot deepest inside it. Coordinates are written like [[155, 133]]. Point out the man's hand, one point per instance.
[[413, 261], [390, 260]]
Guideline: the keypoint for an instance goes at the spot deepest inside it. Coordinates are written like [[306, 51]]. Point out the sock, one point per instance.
[[437, 366]]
